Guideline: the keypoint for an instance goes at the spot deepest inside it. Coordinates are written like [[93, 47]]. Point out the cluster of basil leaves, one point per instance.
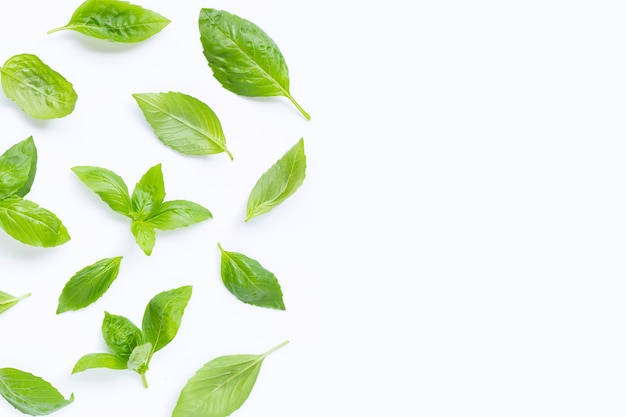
[[246, 61]]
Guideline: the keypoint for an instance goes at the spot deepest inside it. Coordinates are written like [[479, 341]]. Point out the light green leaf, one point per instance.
[[145, 235], [116, 21], [163, 315], [148, 194], [140, 358], [179, 213], [98, 360], [30, 394], [247, 280], [244, 59], [120, 335], [88, 284], [221, 386], [108, 185], [279, 182], [183, 123], [7, 301], [30, 224], [18, 166], [38, 90]]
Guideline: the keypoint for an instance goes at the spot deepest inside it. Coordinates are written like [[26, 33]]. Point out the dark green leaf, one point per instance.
[[179, 213], [183, 123], [148, 194], [31, 224], [108, 185], [279, 182], [116, 21], [145, 235], [120, 335], [40, 91], [99, 360], [163, 315], [30, 394], [18, 166], [89, 284], [247, 280], [7, 301]]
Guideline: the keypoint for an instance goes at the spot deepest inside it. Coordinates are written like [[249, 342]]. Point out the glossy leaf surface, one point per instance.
[[145, 235], [99, 360], [30, 394], [148, 194], [31, 224], [175, 214], [18, 166], [121, 335], [108, 185], [163, 315], [7, 301]]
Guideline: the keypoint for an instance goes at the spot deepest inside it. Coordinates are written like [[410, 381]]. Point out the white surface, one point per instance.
[[456, 249]]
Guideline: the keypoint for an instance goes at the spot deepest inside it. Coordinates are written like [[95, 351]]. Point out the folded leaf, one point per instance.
[[30, 224], [148, 194], [121, 335], [18, 166], [30, 394], [99, 360], [7, 301], [108, 185], [163, 315], [179, 213]]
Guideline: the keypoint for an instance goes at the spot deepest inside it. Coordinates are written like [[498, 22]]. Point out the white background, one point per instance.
[[457, 248]]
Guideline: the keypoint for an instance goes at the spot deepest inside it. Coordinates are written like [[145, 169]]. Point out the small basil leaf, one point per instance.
[[179, 213], [108, 185], [148, 193], [120, 335], [247, 280], [145, 235], [279, 182], [18, 166], [221, 386], [7, 301], [140, 358], [38, 90], [88, 284], [31, 224], [30, 394], [98, 360], [163, 315], [183, 123], [244, 59], [116, 21]]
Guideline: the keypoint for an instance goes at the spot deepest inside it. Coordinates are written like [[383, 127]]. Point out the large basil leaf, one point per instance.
[[108, 185], [18, 166], [98, 360], [40, 91], [183, 123], [244, 59], [31, 224], [30, 394], [116, 21], [121, 335], [163, 315], [247, 280], [221, 386], [178, 213], [7, 301], [148, 194], [279, 182], [88, 284]]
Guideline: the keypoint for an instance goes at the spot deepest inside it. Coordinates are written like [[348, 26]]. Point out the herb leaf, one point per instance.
[[38, 90], [18, 166], [108, 185], [221, 386], [31, 224], [148, 194], [7, 301], [178, 213], [30, 394], [121, 335], [244, 59], [116, 21], [247, 280], [98, 360], [183, 123], [163, 315], [145, 235], [88, 284], [279, 182]]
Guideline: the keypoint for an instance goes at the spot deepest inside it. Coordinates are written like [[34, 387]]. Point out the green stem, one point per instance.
[[304, 113], [22, 297], [144, 380], [56, 29], [274, 349]]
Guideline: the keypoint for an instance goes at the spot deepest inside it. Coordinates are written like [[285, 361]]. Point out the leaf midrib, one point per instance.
[[20, 81]]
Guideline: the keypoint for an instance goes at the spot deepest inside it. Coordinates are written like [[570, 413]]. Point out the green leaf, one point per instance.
[[279, 182], [145, 235], [120, 335], [7, 301], [116, 21], [148, 194], [30, 224], [243, 58], [30, 394], [140, 358], [108, 185], [89, 284], [18, 166], [98, 360], [179, 213], [163, 315], [38, 90], [221, 386], [183, 123], [247, 280]]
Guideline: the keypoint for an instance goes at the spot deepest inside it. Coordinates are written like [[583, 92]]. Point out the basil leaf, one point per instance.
[[148, 193], [140, 358], [38, 90], [88, 284], [178, 213], [116, 21], [163, 315], [279, 182], [98, 360], [30, 394], [7, 301], [183, 123], [221, 386], [30, 224], [247, 280], [121, 335], [145, 235], [18, 166], [108, 185], [244, 59]]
